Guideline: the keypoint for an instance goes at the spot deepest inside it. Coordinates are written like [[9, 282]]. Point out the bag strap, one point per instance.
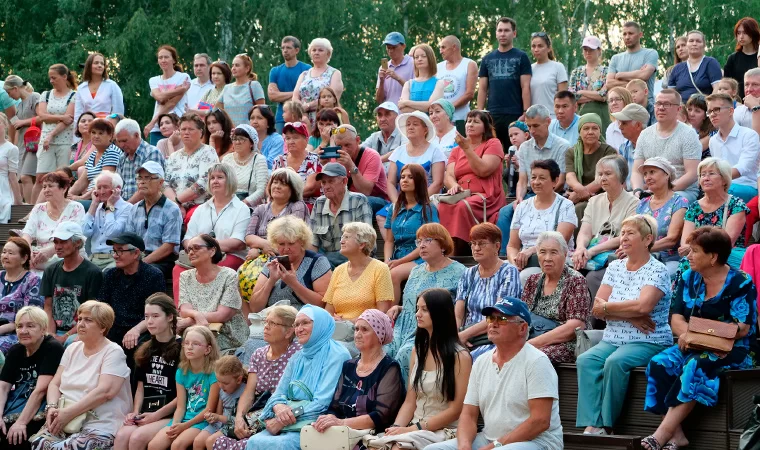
[[556, 215], [250, 91], [70, 97], [34, 122], [691, 77], [358, 160], [253, 167], [300, 385], [725, 212], [469, 208]]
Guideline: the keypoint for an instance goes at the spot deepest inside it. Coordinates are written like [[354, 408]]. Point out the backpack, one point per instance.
[[32, 137]]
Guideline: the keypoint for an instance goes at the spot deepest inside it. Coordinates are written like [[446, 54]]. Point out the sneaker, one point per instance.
[[596, 432]]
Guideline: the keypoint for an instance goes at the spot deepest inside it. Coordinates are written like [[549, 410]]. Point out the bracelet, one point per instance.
[[395, 425], [50, 406], [604, 307]]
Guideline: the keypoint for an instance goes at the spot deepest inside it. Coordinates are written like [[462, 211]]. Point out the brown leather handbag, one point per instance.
[[710, 335]]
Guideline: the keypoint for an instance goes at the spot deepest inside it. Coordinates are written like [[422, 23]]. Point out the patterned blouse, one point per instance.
[[17, 294], [580, 81], [262, 215], [185, 171], [715, 218], [478, 292], [268, 373], [309, 166], [663, 215], [310, 87]]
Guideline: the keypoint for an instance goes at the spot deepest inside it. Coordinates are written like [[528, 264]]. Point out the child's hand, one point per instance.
[[211, 417], [175, 430]]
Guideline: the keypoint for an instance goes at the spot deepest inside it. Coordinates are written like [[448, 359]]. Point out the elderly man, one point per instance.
[[68, 283], [636, 62], [156, 219], [459, 75], [134, 153], [389, 137], [673, 140], [514, 387], [106, 217], [752, 100], [335, 208], [392, 74], [283, 78], [632, 120], [565, 125]]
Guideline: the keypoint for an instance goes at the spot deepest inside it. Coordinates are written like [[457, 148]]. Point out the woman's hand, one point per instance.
[[620, 253], [253, 254], [464, 142], [580, 258], [200, 318], [684, 250], [51, 414], [130, 339], [267, 249], [241, 428], [46, 143], [454, 189], [176, 429], [284, 414], [288, 276], [393, 263], [175, 137], [274, 426], [67, 119], [682, 342], [521, 260], [327, 421], [146, 418], [598, 309], [16, 433], [645, 324], [395, 431], [130, 419], [393, 312], [61, 420], [217, 134], [275, 270], [211, 417]]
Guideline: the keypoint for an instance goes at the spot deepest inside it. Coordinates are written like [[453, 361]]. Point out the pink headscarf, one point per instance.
[[380, 324]]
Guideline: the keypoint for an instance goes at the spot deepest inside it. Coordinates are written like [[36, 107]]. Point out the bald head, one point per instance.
[[450, 48]]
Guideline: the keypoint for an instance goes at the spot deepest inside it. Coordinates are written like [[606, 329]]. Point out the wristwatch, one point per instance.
[[497, 444], [110, 208], [355, 170], [755, 108]]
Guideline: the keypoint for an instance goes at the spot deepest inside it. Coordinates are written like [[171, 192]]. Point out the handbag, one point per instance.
[[585, 339], [32, 137], [75, 425], [600, 261], [334, 438], [252, 417], [710, 335], [297, 405], [248, 275], [453, 199]]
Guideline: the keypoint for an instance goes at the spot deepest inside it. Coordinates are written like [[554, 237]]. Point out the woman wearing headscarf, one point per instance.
[[441, 113], [318, 366]]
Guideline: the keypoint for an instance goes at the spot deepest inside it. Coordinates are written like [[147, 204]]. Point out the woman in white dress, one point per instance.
[[10, 192]]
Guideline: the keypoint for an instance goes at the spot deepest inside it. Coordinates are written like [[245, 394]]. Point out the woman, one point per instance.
[[588, 82], [105, 156], [20, 288], [209, 294], [250, 167], [617, 99], [437, 271], [328, 99], [168, 89], [417, 128], [221, 75], [218, 131], [10, 191], [599, 235], [696, 113], [157, 361], [634, 299], [581, 159], [97, 92], [698, 73], [361, 283], [371, 389], [680, 377], [92, 379], [271, 144], [168, 125], [680, 54], [81, 151], [318, 365], [441, 114], [667, 207], [475, 166], [26, 111], [717, 208], [747, 34], [549, 76], [187, 169], [321, 75], [419, 92], [45, 217], [29, 367], [306, 164], [438, 382], [483, 285], [547, 211], [239, 97], [557, 294], [326, 121]]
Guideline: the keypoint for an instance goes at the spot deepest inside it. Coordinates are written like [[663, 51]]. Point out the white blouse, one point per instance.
[[229, 223], [107, 100]]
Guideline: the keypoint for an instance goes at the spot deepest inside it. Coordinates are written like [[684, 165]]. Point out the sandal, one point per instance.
[[670, 446], [651, 443]]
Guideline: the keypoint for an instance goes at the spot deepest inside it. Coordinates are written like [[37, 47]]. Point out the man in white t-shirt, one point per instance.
[[459, 75], [202, 82], [514, 386]]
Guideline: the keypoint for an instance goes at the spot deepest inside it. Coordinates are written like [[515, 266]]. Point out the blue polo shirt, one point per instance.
[[286, 78], [162, 224], [570, 134]]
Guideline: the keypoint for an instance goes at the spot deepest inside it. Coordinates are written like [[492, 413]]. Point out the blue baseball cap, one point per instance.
[[509, 306], [394, 38]]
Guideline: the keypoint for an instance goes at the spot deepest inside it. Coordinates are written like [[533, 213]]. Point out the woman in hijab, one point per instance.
[[317, 367]]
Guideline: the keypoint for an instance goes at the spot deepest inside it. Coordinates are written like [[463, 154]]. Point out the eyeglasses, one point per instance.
[[197, 247], [119, 253], [538, 34], [499, 320], [145, 179], [304, 323], [665, 105], [271, 323], [716, 111], [424, 241], [479, 244], [614, 99], [239, 139]]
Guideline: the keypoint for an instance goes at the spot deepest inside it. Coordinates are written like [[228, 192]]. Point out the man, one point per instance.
[[632, 120], [156, 219], [738, 145], [514, 387], [674, 141], [334, 209], [68, 283], [107, 216], [399, 70], [636, 62], [134, 153], [566, 123], [283, 78], [127, 286], [640, 95], [202, 82], [752, 100], [389, 137], [459, 75], [504, 83]]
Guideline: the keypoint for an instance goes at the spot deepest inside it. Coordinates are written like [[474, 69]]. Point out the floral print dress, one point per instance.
[[309, 166], [190, 171], [14, 295], [581, 81], [310, 87]]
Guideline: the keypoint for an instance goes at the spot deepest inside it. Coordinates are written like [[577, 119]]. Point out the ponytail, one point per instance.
[[175, 56], [249, 62], [62, 70]]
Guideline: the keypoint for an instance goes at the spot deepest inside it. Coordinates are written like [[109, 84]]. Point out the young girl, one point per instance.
[[328, 99], [518, 133], [82, 149], [197, 391], [294, 112], [696, 110], [742, 114], [10, 191], [218, 132], [229, 375]]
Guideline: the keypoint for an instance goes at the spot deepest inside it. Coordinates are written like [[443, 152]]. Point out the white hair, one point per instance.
[[555, 236], [113, 177], [321, 42], [129, 125]]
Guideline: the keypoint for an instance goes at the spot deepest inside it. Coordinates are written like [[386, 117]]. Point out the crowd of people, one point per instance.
[[588, 200]]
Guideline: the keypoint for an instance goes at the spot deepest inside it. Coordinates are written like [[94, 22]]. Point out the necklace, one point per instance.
[[369, 367], [244, 162]]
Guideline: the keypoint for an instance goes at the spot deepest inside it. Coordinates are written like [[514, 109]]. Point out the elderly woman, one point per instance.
[[187, 169], [598, 237], [318, 366], [698, 73], [168, 126], [588, 82], [547, 211], [321, 75], [371, 388], [218, 132], [92, 380], [441, 113], [438, 270], [419, 92], [105, 157], [250, 166], [474, 166], [717, 208], [558, 299], [682, 376], [30, 365], [306, 164], [667, 207], [20, 288], [617, 99], [45, 217], [209, 294], [239, 97], [271, 144], [634, 299], [483, 285]]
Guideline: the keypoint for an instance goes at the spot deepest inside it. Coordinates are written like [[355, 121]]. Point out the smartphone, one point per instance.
[[284, 260], [298, 411], [138, 418], [330, 152], [384, 63]]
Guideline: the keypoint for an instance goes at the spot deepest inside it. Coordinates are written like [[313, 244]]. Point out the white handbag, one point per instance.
[[334, 438]]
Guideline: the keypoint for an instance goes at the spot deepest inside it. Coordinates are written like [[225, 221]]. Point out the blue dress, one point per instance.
[[404, 228], [420, 91]]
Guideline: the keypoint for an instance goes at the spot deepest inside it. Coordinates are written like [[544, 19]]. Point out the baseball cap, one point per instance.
[[67, 230], [332, 169], [509, 306], [128, 239], [591, 42], [152, 167], [633, 111], [388, 106], [394, 38], [660, 163], [298, 127]]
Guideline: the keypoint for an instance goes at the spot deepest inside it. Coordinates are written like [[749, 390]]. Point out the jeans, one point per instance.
[[376, 203], [481, 441], [335, 258], [690, 193], [504, 222], [746, 193]]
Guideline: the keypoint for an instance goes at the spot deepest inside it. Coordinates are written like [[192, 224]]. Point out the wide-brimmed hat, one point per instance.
[[401, 123]]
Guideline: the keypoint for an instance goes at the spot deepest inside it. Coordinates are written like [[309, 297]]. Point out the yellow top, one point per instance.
[[351, 298]]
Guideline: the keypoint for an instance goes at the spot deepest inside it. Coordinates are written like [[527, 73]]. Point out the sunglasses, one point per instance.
[[342, 129], [539, 34]]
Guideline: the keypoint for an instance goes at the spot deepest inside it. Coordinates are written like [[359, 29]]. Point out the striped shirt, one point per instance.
[[109, 158]]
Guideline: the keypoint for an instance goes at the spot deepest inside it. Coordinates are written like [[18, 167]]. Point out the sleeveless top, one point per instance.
[[310, 86], [430, 401], [420, 91], [455, 85]]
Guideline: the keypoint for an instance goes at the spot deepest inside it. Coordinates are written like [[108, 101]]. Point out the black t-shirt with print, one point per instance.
[[158, 379], [21, 372], [69, 290]]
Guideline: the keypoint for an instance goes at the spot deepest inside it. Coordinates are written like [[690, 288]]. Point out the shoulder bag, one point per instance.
[[334, 438], [710, 335], [691, 77], [298, 405]]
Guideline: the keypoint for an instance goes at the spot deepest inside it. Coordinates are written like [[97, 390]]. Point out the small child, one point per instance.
[[294, 112], [742, 114], [518, 133], [640, 94], [328, 99], [230, 374], [197, 391]]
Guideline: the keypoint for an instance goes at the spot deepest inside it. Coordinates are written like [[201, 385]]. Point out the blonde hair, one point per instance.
[[13, 81], [101, 312], [636, 82], [287, 314], [365, 234], [321, 42], [645, 224], [430, 55], [724, 168], [5, 123], [229, 365], [290, 228], [36, 315], [210, 359]]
